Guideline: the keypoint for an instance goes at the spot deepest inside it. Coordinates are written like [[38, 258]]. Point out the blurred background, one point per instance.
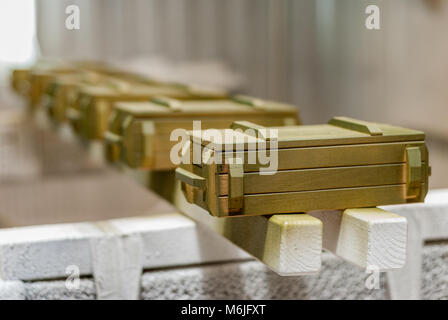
[[316, 54]]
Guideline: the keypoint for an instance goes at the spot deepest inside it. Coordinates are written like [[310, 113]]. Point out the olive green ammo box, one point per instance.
[[39, 82], [20, 81], [21, 77], [139, 133], [89, 114], [43, 73], [63, 89], [344, 164]]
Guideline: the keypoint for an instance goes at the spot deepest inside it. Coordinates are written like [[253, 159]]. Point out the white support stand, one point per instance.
[[426, 221], [114, 251]]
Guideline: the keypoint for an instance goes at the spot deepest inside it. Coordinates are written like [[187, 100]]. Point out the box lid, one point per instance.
[[121, 89], [162, 106], [339, 131]]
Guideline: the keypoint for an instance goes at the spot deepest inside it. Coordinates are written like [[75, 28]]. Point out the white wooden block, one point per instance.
[[289, 244], [371, 238]]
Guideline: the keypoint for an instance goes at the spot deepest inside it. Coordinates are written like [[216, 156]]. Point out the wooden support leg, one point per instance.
[[289, 244], [369, 237]]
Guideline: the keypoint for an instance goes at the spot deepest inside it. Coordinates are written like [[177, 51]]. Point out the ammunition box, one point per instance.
[[63, 90], [20, 81], [39, 85], [42, 75], [90, 111], [346, 163], [139, 133]]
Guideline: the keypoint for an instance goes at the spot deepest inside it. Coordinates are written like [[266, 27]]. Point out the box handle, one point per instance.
[[173, 104], [252, 129], [413, 172], [119, 85], [73, 114], [356, 125], [190, 178], [113, 144], [250, 101]]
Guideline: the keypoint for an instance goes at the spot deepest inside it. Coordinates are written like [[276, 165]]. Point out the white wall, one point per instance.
[[317, 54]]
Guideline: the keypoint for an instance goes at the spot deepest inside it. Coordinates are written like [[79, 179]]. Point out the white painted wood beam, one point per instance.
[[169, 239]]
